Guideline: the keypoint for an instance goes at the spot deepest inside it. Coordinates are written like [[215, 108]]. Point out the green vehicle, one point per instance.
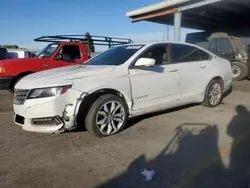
[[226, 46]]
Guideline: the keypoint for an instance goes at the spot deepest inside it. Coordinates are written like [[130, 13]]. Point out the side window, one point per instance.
[[212, 46], [204, 56], [203, 44], [224, 46], [70, 52], [184, 53], [160, 53]]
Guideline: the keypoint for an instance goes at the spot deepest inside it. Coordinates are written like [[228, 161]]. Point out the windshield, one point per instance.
[[115, 56], [47, 51]]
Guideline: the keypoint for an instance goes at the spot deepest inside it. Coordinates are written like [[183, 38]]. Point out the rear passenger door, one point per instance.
[[192, 62]]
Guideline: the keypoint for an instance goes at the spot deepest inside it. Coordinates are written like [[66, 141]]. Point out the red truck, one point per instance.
[[63, 50]]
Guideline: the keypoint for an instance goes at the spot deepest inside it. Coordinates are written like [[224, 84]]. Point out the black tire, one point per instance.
[[242, 67], [207, 102], [90, 120], [14, 82]]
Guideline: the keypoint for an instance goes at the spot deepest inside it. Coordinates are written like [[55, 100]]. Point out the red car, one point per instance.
[[63, 50]]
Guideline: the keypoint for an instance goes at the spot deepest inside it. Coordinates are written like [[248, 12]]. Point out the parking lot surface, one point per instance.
[[191, 147]]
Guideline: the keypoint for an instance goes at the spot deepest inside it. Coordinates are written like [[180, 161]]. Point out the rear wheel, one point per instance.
[[214, 94], [240, 71], [107, 116]]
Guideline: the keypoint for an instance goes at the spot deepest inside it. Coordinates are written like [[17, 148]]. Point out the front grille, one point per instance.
[[20, 96]]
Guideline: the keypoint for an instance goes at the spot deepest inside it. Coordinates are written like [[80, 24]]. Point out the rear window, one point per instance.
[[204, 56], [184, 53]]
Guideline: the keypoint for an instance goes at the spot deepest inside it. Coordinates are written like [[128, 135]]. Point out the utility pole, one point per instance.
[[164, 33], [167, 32], [166, 29]]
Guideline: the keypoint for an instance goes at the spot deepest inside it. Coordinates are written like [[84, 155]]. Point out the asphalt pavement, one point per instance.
[[188, 147]]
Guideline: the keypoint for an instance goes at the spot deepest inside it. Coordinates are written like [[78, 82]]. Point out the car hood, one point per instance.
[[61, 76]]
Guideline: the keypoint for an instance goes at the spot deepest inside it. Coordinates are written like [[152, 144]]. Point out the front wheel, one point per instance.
[[107, 116], [13, 84], [214, 94], [240, 71], [16, 80]]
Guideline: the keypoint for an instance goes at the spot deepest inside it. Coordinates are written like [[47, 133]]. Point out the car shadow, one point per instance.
[[133, 121], [193, 159]]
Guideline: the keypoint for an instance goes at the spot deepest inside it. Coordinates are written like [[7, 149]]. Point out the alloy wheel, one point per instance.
[[215, 94], [110, 118]]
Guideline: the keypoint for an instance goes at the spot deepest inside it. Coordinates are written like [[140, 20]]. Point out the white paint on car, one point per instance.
[[145, 89]]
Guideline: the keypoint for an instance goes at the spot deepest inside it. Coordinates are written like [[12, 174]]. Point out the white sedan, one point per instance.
[[123, 82]]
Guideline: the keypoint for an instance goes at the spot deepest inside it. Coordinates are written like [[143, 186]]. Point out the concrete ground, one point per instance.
[[188, 147]]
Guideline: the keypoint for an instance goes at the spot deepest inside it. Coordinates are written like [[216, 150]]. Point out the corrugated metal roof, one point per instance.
[[209, 15], [155, 7]]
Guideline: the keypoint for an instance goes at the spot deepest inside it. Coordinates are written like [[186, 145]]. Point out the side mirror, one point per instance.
[[146, 62], [58, 57]]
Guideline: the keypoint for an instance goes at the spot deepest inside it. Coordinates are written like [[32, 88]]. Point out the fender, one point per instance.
[[126, 96]]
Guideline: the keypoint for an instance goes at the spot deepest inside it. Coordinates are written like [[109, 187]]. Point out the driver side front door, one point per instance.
[[155, 87]]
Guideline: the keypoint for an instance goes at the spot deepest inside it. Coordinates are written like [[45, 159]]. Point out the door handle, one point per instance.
[[203, 66], [173, 70], [46, 65]]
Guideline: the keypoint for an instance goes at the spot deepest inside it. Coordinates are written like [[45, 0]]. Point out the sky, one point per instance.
[[23, 20]]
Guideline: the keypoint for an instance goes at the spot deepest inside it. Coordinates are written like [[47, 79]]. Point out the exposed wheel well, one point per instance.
[[17, 77], [220, 80], [215, 78], [90, 99]]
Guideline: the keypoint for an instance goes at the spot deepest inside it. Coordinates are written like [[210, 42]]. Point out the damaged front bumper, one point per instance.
[[49, 115]]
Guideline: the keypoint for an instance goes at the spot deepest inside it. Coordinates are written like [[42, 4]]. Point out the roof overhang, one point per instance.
[[198, 14], [155, 7]]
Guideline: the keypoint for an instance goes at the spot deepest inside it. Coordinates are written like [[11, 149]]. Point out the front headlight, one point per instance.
[[48, 92]]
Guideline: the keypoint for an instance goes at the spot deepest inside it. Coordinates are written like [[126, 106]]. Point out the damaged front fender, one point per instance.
[[69, 114]]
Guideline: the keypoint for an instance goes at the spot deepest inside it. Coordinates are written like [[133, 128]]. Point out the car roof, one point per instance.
[[147, 44], [160, 42], [167, 42]]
